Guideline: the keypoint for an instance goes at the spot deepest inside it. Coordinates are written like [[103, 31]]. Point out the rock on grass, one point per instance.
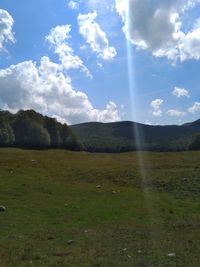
[[2, 209]]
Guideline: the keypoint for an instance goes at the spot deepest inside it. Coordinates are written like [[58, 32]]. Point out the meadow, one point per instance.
[[87, 209]]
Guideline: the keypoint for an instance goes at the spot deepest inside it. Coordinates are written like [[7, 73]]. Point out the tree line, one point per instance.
[[29, 129]]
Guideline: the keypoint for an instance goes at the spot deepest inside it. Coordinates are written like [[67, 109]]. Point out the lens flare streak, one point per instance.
[[143, 161]]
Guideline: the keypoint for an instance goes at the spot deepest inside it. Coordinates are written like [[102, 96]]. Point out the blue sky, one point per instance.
[[69, 59]]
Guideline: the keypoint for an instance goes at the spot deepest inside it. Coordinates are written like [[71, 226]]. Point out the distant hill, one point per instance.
[[194, 123], [121, 136]]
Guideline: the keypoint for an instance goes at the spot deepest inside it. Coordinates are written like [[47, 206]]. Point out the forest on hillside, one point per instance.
[[127, 136], [29, 129]]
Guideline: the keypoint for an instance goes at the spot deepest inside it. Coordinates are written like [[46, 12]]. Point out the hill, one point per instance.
[[29, 129], [121, 136]]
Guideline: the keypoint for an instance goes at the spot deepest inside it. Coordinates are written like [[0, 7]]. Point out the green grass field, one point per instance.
[[101, 202]]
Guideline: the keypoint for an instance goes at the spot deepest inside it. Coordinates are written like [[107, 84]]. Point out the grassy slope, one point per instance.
[[51, 197]]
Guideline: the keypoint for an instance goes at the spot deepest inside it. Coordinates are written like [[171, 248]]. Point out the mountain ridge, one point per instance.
[[120, 136], [195, 122]]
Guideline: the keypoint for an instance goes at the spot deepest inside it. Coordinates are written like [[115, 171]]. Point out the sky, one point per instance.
[[106, 61]]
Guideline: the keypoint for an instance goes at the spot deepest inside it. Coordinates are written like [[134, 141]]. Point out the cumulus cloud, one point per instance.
[[156, 105], [73, 5], [58, 39], [95, 36], [45, 88], [6, 25], [180, 92], [157, 26], [195, 108], [190, 45], [175, 113]]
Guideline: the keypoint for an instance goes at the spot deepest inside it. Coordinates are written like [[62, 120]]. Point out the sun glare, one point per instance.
[[143, 161]]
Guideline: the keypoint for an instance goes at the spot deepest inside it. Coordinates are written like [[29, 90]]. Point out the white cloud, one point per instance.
[[156, 105], [100, 65], [157, 26], [95, 37], [147, 122], [6, 25], [110, 113], [175, 113], [58, 39], [73, 5], [190, 46], [195, 108], [102, 6], [46, 89], [180, 92]]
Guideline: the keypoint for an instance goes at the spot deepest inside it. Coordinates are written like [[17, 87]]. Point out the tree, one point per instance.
[[4, 138], [11, 134], [195, 144], [31, 134], [65, 134], [32, 130], [74, 143], [31, 114], [52, 127], [7, 136]]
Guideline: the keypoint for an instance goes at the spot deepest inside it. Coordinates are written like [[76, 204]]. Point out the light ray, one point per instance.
[[143, 160]]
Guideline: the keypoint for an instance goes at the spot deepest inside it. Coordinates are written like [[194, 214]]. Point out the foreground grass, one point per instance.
[[99, 201]]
